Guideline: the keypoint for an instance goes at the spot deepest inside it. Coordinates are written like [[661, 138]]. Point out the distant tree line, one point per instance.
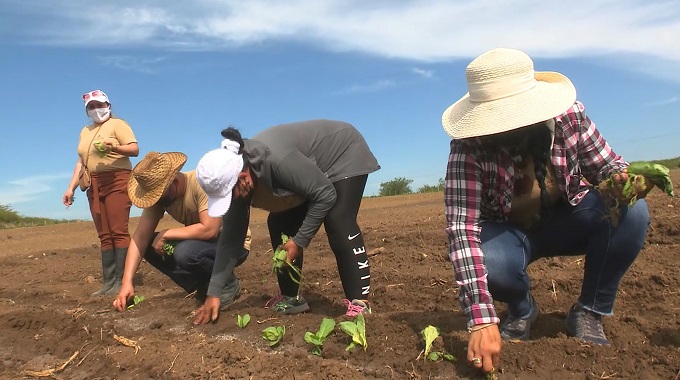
[[10, 218], [401, 185]]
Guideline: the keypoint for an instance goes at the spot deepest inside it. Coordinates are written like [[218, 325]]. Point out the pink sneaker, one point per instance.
[[356, 307]]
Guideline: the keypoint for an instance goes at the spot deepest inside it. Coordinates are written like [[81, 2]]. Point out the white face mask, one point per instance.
[[99, 115]]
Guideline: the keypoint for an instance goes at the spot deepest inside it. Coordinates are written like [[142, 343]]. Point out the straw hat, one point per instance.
[[152, 175], [505, 93]]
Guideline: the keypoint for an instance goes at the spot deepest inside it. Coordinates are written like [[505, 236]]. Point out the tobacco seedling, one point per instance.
[[327, 326], [638, 175], [136, 300], [357, 330], [242, 321], [273, 334], [101, 147], [169, 247], [280, 260], [430, 333]]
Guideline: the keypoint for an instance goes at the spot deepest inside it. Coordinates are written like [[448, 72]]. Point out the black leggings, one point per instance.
[[344, 237]]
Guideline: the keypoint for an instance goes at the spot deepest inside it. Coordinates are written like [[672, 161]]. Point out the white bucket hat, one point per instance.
[[217, 174], [505, 93]]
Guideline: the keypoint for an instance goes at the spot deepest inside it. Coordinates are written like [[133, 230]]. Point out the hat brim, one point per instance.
[[142, 198], [553, 95], [219, 206]]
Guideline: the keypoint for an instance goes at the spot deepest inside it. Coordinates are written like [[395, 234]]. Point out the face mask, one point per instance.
[[99, 115]]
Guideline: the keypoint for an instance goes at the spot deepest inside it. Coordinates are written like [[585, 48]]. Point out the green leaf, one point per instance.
[[136, 300], [434, 356], [357, 330], [450, 358], [316, 350], [429, 333], [327, 326], [242, 321], [274, 334]]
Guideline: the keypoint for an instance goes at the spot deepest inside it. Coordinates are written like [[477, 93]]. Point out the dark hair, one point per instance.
[[537, 147], [233, 134]]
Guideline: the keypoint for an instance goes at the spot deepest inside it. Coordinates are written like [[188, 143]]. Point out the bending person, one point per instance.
[[305, 174], [158, 186]]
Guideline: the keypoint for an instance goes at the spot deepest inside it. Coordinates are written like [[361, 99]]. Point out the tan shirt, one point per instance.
[[114, 130], [526, 201], [185, 210], [265, 199]]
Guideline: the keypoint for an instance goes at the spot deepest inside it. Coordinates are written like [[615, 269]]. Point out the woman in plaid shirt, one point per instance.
[[523, 156]]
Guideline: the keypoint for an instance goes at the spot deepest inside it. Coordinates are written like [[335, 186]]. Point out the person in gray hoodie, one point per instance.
[[305, 173]]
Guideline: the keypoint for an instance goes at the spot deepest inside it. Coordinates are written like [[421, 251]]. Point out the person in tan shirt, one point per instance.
[[104, 152], [157, 186]]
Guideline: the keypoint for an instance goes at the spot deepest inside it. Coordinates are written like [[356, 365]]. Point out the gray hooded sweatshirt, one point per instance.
[[302, 159]]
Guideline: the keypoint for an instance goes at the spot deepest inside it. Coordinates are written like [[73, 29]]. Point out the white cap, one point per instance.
[[95, 96], [217, 174]]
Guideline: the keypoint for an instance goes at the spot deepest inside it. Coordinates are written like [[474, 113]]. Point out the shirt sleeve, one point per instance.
[[230, 244], [300, 175], [596, 158], [462, 197], [124, 133]]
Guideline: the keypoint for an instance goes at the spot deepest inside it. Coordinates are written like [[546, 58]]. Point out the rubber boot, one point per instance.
[[121, 254], [108, 272]]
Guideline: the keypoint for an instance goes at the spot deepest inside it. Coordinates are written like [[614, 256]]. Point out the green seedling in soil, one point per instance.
[[327, 326], [242, 321], [280, 261], [492, 375], [430, 333], [136, 300], [169, 247], [357, 330], [638, 175], [274, 334]]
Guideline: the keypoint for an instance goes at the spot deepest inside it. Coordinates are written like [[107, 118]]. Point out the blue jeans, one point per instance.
[[191, 263], [569, 231]]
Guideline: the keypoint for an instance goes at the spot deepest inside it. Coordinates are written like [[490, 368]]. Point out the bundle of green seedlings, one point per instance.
[[280, 260], [169, 247], [639, 173], [101, 147]]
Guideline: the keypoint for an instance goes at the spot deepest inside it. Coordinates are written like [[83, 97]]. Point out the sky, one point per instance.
[[179, 72]]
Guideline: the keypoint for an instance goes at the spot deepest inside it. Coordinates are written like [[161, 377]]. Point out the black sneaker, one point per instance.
[[291, 305], [514, 328], [586, 325]]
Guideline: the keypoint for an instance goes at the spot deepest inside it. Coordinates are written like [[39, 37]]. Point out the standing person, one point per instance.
[[305, 173], [522, 146], [103, 168], [157, 186]]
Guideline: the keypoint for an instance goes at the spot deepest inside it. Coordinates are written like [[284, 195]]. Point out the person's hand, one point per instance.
[[484, 348], [127, 292], [642, 186], [208, 312], [158, 242], [292, 250], [67, 199]]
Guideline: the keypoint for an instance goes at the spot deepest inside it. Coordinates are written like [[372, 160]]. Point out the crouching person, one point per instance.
[[157, 186]]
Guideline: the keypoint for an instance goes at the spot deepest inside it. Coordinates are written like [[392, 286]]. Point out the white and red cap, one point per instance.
[[95, 95]]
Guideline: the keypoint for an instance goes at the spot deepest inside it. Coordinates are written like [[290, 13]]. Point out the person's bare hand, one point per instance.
[[292, 250], [484, 348], [67, 199], [158, 242], [126, 293], [208, 312]]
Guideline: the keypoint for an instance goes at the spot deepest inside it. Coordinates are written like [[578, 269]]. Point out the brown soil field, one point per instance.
[[47, 318]]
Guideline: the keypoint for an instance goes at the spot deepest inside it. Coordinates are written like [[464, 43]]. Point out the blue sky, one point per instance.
[[179, 72]]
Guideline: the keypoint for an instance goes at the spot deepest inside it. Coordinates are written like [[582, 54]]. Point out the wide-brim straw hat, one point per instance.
[[152, 176], [505, 93]]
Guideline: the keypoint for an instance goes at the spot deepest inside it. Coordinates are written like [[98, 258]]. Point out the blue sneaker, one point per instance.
[[586, 325], [514, 328]]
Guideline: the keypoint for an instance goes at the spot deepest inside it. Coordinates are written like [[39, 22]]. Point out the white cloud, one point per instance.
[[370, 87], [127, 62], [665, 102], [423, 73], [426, 30], [29, 188]]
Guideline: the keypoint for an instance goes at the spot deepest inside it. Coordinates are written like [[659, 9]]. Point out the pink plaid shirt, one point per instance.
[[479, 187]]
